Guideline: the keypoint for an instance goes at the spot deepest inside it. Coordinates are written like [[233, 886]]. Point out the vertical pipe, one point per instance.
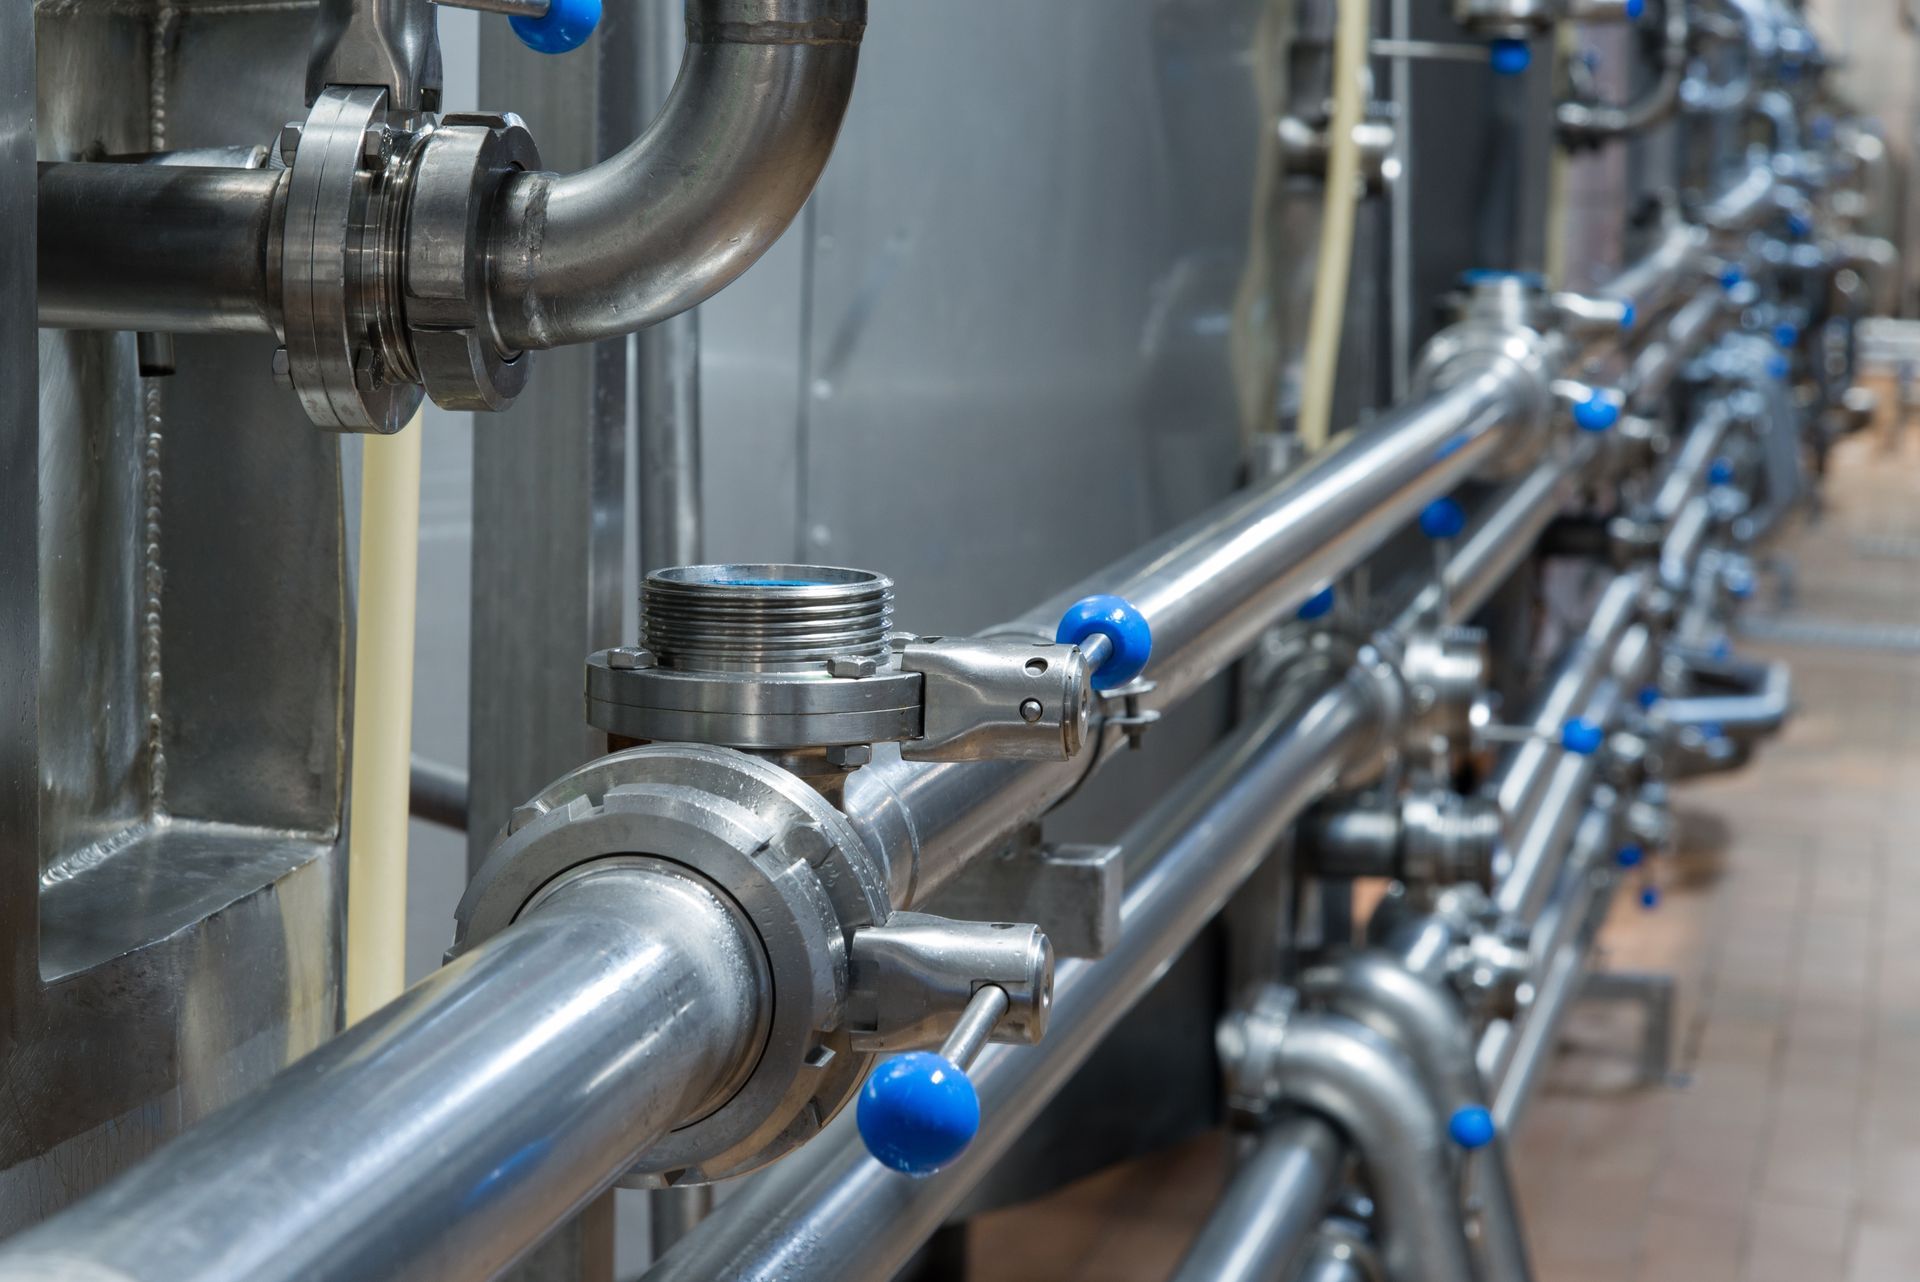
[[382, 720], [1327, 318]]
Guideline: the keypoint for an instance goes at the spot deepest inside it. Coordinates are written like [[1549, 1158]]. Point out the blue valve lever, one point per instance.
[[544, 26], [918, 1111], [1113, 636]]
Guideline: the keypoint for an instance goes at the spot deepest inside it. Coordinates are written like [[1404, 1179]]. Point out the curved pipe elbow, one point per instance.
[[697, 199], [1589, 124], [1374, 1094]]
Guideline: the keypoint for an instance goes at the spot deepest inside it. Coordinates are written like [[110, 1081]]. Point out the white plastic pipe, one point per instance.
[[382, 720], [1328, 315]]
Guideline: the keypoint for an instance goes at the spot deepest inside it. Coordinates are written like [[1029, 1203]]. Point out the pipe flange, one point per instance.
[[790, 861], [629, 694], [340, 236], [1479, 346], [456, 175]]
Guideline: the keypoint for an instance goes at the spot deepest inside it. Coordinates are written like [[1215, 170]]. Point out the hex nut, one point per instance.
[[845, 665], [850, 756], [629, 658]]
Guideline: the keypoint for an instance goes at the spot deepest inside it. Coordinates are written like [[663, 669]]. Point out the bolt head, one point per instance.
[[1031, 710], [289, 143], [282, 368], [852, 666], [369, 371], [628, 658], [850, 756], [376, 148]]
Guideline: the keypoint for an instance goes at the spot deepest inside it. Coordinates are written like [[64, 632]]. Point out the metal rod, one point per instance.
[[443, 1135], [437, 793], [975, 1025], [831, 1212], [513, 8], [1263, 1229]]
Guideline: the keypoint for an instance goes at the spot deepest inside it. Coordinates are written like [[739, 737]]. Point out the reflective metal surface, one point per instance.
[[443, 1135], [173, 710]]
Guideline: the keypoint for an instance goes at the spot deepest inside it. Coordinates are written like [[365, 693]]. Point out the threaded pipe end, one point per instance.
[[764, 618]]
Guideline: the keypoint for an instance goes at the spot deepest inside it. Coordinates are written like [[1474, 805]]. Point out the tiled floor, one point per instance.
[[1788, 1144]]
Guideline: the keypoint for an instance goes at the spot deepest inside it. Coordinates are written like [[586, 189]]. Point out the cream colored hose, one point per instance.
[[1328, 315], [382, 720]]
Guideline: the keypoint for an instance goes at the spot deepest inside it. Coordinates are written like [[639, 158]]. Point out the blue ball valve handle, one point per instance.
[[1471, 1126], [564, 26], [1442, 519], [1112, 633], [1582, 738], [1597, 412], [1509, 57], [1317, 606], [918, 1111]]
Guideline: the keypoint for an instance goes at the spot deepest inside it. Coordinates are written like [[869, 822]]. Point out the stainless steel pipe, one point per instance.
[[697, 198], [448, 1132], [169, 249], [1589, 124], [1262, 1231], [1209, 589], [1358, 1078], [1429, 1025], [1653, 369], [830, 1213]]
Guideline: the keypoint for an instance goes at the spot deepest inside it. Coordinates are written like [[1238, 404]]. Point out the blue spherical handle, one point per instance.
[[1720, 472], [565, 26], [1510, 57], [1317, 606], [1731, 276], [1629, 856], [1650, 897], [1649, 695], [1628, 315], [1119, 621], [1799, 226], [1597, 413], [1635, 8], [1778, 368], [1582, 738], [1471, 1126], [1442, 519], [1786, 333], [917, 1113]]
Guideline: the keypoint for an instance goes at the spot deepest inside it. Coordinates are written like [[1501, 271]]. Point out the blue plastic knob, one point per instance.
[[1471, 1126], [1786, 333], [1510, 57], [1720, 472], [1649, 695], [1731, 276], [1650, 897], [565, 26], [1722, 649], [1119, 621], [1629, 856], [1597, 413], [1442, 519], [1317, 606], [1581, 738], [1712, 731], [1635, 8], [1799, 226], [1778, 368], [1739, 583], [1628, 315], [917, 1113]]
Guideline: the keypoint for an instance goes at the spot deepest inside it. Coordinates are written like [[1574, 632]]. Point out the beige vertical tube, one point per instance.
[[382, 719], [1328, 315]]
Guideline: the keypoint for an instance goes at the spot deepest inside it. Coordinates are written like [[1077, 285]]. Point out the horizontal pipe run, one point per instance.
[[1655, 280], [1263, 1229], [437, 793], [168, 249], [1209, 589], [446, 1133], [1654, 367], [1738, 716], [1534, 1039], [830, 1212]]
